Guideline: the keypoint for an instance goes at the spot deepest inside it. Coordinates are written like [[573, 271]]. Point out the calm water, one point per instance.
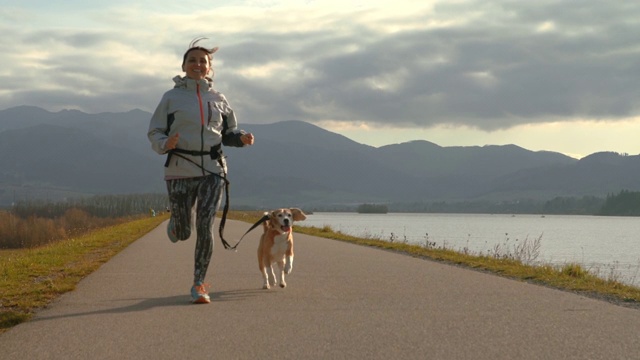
[[607, 246]]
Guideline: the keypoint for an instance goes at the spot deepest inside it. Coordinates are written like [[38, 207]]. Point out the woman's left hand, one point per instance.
[[247, 139]]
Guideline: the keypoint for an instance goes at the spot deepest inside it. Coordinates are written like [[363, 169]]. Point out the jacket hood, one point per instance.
[[183, 82]]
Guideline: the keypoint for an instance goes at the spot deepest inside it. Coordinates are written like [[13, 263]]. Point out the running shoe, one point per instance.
[[199, 294], [171, 231]]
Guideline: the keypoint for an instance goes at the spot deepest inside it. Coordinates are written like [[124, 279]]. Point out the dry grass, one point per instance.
[[515, 263], [33, 231], [31, 278], [512, 263]]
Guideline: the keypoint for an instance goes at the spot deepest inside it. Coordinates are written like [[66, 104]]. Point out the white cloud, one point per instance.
[[485, 65], [547, 26]]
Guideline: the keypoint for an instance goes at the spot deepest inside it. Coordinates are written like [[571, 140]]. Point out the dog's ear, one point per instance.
[[269, 215], [298, 215]]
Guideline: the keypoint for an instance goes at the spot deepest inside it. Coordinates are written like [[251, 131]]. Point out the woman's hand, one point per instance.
[[172, 142], [247, 139]]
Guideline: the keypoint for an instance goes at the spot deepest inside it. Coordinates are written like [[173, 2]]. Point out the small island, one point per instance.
[[373, 209]]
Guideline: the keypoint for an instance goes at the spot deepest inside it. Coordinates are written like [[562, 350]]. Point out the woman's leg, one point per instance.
[[182, 197], [209, 195]]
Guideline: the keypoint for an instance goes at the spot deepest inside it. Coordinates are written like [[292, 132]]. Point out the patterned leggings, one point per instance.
[[183, 193]]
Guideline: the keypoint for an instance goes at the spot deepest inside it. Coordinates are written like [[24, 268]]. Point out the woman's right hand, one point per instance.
[[172, 142]]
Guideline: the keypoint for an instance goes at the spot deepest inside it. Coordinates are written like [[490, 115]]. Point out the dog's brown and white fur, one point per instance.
[[276, 245]]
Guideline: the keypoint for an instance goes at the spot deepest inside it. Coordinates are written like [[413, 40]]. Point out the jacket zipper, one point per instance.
[[201, 126]]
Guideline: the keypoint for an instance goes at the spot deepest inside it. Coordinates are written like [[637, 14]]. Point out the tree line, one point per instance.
[[625, 203], [102, 206]]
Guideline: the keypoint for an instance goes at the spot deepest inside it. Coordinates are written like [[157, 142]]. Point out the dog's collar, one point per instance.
[[275, 230]]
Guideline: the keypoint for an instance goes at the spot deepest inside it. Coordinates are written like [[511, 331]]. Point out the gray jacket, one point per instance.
[[203, 118]]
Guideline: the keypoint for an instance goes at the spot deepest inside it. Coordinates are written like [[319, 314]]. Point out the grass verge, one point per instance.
[[31, 278], [569, 277]]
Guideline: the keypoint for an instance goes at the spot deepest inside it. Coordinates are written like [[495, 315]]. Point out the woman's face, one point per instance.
[[197, 64]]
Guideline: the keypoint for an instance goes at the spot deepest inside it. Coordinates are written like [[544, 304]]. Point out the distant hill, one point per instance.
[[53, 155]]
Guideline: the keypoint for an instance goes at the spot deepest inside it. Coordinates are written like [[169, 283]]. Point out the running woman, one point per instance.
[[189, 126]]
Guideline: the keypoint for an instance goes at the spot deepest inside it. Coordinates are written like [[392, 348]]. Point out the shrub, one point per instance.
[[573, 270], [27, 233], [17, 232]]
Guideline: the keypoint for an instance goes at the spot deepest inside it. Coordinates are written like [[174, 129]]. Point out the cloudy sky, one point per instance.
[[545, 75]]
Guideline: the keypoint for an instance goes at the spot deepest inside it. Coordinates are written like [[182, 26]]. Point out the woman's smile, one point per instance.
[[197, 66]]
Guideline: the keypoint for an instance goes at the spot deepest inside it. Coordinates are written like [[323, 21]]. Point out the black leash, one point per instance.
[[216, 153], [225, 210], [224, 215], [262, 219]]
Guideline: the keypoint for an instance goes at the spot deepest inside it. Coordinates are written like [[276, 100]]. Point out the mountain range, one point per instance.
[[54, 155]]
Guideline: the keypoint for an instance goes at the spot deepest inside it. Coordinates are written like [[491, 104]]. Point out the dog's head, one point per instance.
[[282, 219]]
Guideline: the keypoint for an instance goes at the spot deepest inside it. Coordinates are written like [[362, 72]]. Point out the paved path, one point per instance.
[[343, 301]]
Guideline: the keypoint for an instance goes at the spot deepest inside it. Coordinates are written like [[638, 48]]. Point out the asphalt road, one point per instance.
[[342, 301]]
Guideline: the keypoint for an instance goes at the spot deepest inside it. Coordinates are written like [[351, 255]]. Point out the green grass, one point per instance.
[[569, 277], [31, 278]]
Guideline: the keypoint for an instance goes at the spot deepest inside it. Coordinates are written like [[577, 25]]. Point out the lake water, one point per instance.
[[607, 246]]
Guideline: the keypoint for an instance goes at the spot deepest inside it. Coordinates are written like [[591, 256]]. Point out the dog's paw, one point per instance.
[[283, 284], [266, 286]]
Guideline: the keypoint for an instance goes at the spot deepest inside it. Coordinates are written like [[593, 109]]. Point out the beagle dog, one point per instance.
[[276, 245]]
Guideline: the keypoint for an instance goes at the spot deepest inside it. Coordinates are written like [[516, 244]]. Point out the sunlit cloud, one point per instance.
[[546, 26], [469, 67]]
